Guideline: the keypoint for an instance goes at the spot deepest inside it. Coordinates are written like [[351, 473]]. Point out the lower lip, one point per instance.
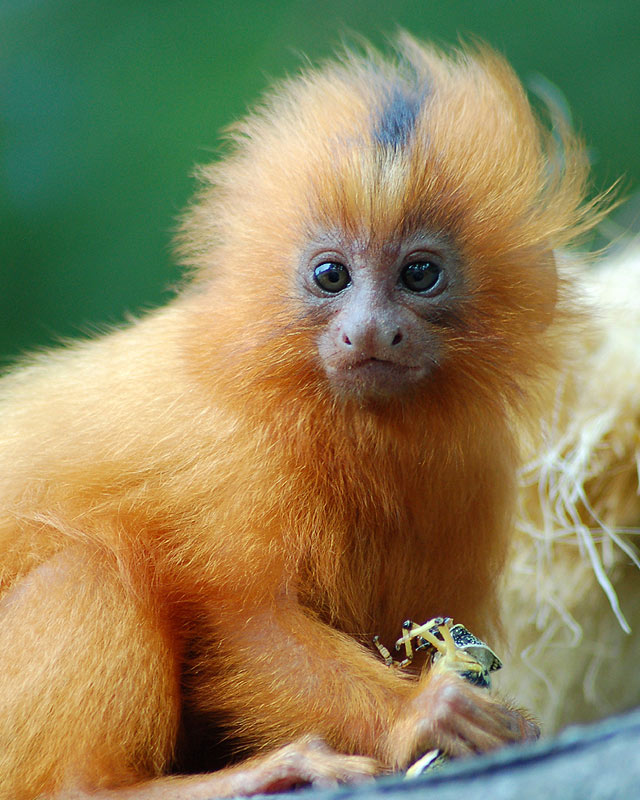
[[379, 365], [376, 377]]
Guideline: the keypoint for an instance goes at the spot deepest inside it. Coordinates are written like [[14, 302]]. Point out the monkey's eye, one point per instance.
[[332, 276], [420, 276]]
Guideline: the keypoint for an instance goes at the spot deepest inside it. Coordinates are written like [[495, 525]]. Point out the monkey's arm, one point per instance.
[[287, 674], [307, 761]]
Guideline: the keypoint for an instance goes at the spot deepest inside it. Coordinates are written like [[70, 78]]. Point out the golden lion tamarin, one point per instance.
[[208, 514]]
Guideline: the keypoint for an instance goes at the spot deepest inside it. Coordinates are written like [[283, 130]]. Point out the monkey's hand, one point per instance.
[[449, 714], [306, 762]]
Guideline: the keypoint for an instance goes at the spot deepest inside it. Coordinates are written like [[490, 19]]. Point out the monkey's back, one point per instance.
[[100, 430]]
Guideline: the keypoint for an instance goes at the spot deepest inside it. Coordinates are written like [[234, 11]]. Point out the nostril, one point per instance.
[[397, 338], [346, 339]]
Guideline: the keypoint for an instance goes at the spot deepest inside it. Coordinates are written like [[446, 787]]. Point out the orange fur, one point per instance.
[[194, 523]]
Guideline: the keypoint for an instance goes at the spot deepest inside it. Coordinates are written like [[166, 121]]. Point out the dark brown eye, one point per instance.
[[332, 276], [420, 276]]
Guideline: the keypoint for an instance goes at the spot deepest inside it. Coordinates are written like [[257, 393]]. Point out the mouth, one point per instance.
[[374, 377]]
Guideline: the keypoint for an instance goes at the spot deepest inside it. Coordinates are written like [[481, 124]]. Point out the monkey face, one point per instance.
[[411, 213], [382, 306]]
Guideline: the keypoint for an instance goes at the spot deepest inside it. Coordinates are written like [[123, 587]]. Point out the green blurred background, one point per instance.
[[105, 108]]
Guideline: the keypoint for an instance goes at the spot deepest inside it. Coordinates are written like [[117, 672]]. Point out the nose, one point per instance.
[[371, 336], [397, 338]]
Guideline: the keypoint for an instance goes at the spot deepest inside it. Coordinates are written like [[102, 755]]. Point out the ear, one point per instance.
[[549, 298], [543, 283]]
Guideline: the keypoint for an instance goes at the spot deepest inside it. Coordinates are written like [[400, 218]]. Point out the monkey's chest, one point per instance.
[[371, 590]]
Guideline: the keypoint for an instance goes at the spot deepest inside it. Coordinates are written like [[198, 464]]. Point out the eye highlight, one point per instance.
[[331, 276], [420, 276]]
